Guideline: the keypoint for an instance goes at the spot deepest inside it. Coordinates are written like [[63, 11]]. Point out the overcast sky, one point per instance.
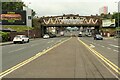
[[60, 7]]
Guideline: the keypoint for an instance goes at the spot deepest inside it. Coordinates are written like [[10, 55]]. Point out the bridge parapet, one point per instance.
[[71, 20]]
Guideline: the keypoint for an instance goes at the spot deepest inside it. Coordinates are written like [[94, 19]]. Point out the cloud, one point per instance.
[[59, 7]]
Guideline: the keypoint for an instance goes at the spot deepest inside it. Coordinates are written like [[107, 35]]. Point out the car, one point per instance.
[[62, 33], [98, 37], [80, 34], [51, 35], [20, 39], [89, 35], [46, 36]]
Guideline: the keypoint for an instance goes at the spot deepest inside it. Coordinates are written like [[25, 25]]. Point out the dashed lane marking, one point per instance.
[[8, 71], [116, 50], [34, 45], [113, 45], [16, 50], [102, 46], [108, 62], [108, 48]]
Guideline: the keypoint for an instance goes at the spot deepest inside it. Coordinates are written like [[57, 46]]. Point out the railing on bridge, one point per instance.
[[71, 20]]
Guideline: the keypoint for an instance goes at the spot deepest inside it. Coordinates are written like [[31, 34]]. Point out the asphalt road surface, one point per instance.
[[107, 47], [13, 54], [71, 59]]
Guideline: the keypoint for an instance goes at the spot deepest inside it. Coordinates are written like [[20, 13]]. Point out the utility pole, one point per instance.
[[118, 18]]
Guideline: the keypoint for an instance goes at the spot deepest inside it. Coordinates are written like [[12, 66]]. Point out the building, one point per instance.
[[103, 10]]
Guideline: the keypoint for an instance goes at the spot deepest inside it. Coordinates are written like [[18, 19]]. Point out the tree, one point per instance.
[[116, 16], [36, 23], [106, 16], [33, 13], [12, 5]]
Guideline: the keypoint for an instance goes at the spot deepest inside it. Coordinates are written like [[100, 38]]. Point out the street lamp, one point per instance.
[[28, 16], [118, 5], [118, 18]]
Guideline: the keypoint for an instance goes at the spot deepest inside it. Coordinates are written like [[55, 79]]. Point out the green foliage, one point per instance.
[[116, 16], [12, 5], [18, 28], [106, 16], [15, 6], [36, 24], [5, 36], [33, 13]]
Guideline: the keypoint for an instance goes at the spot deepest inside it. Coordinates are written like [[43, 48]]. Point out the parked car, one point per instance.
[[20, 39], [98, 37], [46, 36], [89, 35]]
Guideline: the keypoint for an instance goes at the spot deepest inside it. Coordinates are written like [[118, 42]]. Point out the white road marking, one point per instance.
[[92, 46], [98, 44], [94, 43], [16, 50], [50, 41], [113, 45], [108, 48], [48, 47], [116, 50], [33, 45], [103, 46]]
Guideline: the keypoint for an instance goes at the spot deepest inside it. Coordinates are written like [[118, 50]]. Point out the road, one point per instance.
[[70, 59], [107, 47], [15, 53]]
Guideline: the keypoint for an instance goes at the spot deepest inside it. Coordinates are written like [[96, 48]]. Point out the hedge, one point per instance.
[[4, 36]]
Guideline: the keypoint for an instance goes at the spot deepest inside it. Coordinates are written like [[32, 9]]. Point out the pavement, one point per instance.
[[10, 42]]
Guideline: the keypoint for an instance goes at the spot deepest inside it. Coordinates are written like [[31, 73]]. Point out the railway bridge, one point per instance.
[[59, 23]]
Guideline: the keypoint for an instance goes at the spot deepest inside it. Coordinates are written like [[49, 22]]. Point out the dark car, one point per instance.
[[98, 37]]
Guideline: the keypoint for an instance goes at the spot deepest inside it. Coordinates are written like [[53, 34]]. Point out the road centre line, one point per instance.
[[8, 71], [109, 69], [107, 47], [108, 62]]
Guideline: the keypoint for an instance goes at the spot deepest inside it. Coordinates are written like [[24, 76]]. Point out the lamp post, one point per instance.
[[118, 17], [28, 16], [118, 5]]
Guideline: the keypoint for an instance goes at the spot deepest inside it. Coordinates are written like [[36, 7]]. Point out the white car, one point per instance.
[[21, 39], [62, 33], [46, 36]]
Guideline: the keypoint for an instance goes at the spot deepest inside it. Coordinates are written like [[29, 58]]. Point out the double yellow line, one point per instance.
[[29, 60], [108, 62]]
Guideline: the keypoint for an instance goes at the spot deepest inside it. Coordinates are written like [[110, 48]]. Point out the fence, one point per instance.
[[30, 34]]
